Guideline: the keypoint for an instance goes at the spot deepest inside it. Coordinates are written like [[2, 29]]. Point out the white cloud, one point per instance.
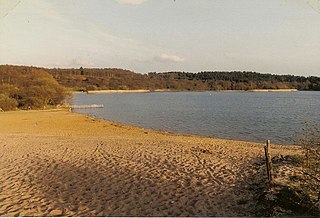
[[131, 2], [169, 58]]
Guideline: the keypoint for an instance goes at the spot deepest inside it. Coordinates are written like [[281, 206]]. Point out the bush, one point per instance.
[[7, 103], [9, 89], [33, 88], [296, 193], [91, 88], [311, 163], [39, 96]]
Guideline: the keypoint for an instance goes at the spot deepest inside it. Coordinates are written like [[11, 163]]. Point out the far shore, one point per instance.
[[118, 91], [106, 91], [273, 90]]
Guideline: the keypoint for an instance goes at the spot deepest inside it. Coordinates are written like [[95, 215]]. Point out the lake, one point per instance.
[[249, 116]]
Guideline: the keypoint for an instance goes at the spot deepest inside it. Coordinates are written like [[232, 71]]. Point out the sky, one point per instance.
[[273, 36]]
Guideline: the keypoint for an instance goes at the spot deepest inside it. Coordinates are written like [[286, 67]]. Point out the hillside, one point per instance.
[[27, 87], [114, 78]]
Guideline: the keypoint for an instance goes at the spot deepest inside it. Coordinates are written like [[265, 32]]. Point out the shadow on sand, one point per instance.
[[95, 190]]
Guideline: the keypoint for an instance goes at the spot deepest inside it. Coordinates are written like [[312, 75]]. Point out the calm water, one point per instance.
[[248, 116]]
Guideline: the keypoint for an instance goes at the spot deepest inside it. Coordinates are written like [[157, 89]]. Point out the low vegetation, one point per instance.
[[297, 192], [28, 88], [7, 103], [311, 165]]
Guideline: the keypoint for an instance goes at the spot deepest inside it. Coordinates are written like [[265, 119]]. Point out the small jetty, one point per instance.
[[87, 106]]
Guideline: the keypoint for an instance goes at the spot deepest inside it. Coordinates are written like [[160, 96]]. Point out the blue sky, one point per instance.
[[276, 36]]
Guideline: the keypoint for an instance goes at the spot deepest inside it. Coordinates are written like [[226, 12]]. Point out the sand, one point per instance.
[[169, 90], [118, 91], [273, 90], [56, 163]]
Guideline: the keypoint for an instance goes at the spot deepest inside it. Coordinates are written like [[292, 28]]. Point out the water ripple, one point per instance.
[[242, 116]]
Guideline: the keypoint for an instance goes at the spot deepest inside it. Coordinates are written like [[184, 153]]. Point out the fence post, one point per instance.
[[269, 163]]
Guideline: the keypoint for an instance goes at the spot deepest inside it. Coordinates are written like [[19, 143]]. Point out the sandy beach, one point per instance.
[[273, 90], [169, 90], [56, 163], [118, 91]]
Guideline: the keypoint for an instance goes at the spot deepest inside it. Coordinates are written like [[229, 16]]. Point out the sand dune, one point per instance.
[[55, 163]]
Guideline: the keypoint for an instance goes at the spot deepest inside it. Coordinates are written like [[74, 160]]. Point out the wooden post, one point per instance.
[[269, 163]]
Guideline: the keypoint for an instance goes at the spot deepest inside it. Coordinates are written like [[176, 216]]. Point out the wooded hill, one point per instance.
[[27, 87], [112, 78], [236, 80]]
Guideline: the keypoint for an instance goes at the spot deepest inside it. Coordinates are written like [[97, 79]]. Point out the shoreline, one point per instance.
[[119, 91], [57, 163], [140, 128], [273, 90], [179, 134], [170, 90]]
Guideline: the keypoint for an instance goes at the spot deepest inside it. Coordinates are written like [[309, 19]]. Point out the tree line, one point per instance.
[[86, 79], [242, 80], [23, 87], [113, 78]]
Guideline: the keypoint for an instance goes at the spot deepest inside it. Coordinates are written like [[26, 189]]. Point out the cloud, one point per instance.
[[169, 58], [131, 2]]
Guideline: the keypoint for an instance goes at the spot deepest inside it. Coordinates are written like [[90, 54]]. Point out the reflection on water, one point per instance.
[[241, 115]]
